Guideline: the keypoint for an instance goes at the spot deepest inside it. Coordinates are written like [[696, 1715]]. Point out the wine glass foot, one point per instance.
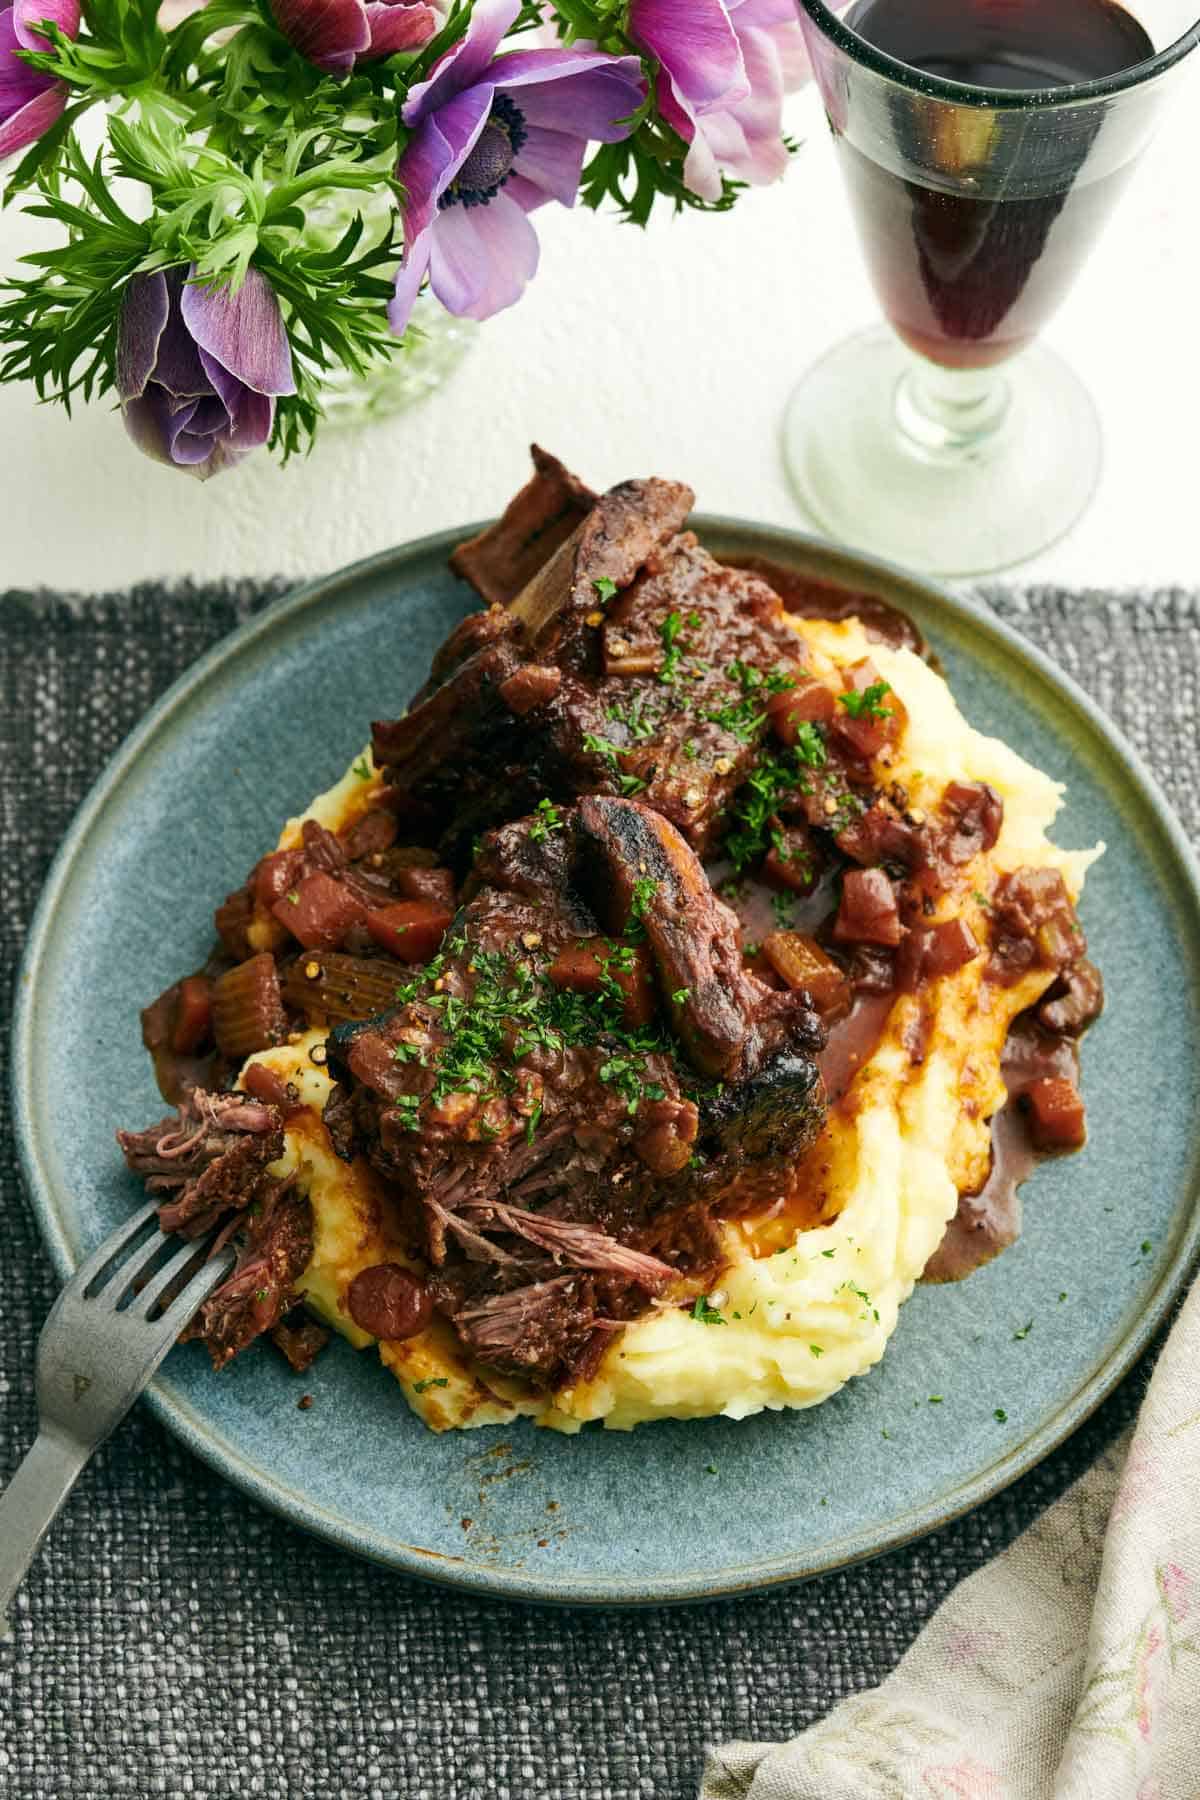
[[1001, 467]]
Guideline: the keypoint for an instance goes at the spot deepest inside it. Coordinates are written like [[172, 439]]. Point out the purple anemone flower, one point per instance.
[[725, 67], [30, 102], [335, 34], [198, 368], [493, 138]]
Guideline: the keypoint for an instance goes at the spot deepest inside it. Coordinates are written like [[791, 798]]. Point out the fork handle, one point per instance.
[[29, 1505]]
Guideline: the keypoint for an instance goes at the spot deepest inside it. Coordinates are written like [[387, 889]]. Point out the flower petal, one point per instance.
[[466, 62], [438, 149], [763, 156], [696, 44], [591, 101], [482, 257], [252, 422], [32, 119], [527, 194], [143, 319], [398, 25], [552, 161], [243, 331], [409, 277], [330, 33], [26, 14], [782, 20], [177, 365], [147, 421]]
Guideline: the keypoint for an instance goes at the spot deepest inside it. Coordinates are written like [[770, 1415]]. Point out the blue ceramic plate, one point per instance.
[[273, 715]]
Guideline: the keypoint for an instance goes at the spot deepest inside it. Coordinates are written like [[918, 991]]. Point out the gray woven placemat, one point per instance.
[[174, 1640]]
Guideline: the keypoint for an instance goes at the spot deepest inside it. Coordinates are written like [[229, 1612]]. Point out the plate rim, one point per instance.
[[835, 562]]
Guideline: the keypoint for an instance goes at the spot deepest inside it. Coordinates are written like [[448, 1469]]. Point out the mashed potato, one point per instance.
[[811, 1299]]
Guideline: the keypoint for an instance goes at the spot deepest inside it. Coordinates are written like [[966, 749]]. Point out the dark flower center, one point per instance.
[[491, 160]]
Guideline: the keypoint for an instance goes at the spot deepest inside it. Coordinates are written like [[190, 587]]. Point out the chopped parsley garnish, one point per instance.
[[861, 1294], [644, 890], [935, 1399], [548, 819], [869, 703], [710, 1469], [601, 746], [706, 1314], [1062, 1296], [1020, 1336], [681, 996], [673, 650], [605, 589], [1145, 1247], [755, 805], [783, 905], [1000, 1416], [694, 620], [832, 1252], [362, 769], [293, 898], [633, 717], [419, 1387], [815, 1350], [691, 749]]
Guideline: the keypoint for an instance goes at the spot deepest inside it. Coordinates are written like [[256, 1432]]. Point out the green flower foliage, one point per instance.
[[222, 148]]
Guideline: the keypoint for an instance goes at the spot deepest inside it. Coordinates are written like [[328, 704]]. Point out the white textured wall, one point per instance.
[[665, 352]]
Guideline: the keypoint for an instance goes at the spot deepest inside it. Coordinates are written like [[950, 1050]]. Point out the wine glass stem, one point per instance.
[[950, 412]]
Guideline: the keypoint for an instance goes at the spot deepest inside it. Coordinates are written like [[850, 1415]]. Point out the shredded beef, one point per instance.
[[209, 1163], [533, 1135]]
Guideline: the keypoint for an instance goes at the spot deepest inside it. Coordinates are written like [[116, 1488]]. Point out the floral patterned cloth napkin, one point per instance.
[[1067, 1669]]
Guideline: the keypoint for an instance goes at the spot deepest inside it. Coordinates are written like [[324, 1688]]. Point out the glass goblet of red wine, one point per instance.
[[983, 145]]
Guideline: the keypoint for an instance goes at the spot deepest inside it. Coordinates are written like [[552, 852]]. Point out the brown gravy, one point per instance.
[[810, 598], [989, 1221]]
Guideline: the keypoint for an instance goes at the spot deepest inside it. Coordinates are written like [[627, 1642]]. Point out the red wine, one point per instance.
[[969, 279]]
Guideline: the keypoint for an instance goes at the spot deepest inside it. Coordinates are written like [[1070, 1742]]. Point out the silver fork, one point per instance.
[[105, 1336]]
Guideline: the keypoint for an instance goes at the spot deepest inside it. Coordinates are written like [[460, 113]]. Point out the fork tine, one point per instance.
[[138, 1267], [113, 1245], [202, 1284], [143, 1303]]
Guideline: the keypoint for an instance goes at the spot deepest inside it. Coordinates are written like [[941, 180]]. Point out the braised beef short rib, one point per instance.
[[579, 1087], [629, 663]]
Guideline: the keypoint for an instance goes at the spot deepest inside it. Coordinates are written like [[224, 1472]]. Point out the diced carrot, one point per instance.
[[319, 911], [1056, 1113], [803, 964], [582, 969], [410, 930], [193, 1015]]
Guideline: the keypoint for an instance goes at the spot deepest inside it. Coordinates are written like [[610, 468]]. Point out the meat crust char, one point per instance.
[[621, 667], [559, 1168]]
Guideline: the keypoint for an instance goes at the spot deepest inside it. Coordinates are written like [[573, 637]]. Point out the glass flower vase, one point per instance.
[[428, 354]]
